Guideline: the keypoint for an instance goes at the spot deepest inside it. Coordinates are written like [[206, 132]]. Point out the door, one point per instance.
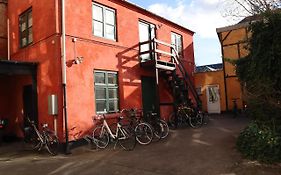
[[213, 99], [148, 94], [30, 104], [146, 33]]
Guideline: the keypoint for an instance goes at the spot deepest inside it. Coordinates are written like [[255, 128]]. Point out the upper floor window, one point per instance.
[[104, 22], [25, 28], [106, 91], [177, 43]]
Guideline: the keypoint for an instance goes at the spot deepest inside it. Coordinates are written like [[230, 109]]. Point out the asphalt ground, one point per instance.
[[209, 150]]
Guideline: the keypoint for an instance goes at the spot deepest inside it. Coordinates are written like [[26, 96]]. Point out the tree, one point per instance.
[[237, 9]]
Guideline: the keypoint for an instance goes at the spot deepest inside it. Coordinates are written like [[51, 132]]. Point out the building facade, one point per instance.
[[118, 55], [209, 82], [234, 40]]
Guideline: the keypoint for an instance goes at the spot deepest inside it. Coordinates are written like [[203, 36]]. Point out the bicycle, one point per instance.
[[186, 116], [122, 135], [160, 126], [46, 138], [235, 107], [143, 130]]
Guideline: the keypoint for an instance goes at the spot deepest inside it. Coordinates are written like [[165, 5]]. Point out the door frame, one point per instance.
[[156, 103], [219, 98]]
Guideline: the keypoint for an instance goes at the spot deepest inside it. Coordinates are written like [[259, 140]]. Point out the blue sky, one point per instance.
[[201, 16]]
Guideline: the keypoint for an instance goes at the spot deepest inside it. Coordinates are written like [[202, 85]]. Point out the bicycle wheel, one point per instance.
[[165, 129], [36, 143], [196, 121], [100, 137], [172, 121], [157, 131], [52, 143], [127, 138], [144, 133], [162, 130]]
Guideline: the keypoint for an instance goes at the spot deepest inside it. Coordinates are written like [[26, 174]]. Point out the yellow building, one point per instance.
[[219, 88], [234, 40], [209, 82]]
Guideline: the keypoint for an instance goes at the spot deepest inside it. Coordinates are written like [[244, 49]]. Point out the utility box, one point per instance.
[[53, 105]]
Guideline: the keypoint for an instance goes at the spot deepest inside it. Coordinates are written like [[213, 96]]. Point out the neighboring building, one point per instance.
[[112, 62], [209, 82], [234, 40]]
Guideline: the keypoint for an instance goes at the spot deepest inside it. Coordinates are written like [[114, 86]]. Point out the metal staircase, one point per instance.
[[172, 70]]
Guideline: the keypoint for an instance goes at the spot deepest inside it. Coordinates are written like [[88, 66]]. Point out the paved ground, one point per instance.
[[206, 151]]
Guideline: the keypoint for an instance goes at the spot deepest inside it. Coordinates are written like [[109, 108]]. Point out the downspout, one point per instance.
[[63, 67], [8, 38]]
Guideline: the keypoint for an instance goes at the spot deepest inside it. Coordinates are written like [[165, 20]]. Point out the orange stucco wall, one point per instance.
[[45, 50], [98, 53], [3, 29], [204, 79], [234, 43], [11, 103], [120, 56]]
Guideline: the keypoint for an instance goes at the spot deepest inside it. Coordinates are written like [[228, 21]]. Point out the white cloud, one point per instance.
[[201, 16]]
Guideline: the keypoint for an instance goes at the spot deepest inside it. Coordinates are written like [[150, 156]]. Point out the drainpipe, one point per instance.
[[63, 67], [8, 37]]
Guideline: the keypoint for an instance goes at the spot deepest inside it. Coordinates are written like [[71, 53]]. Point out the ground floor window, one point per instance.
[[106, 91]]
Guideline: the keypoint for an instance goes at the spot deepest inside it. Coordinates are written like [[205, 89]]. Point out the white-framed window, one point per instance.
[[176, 40], [104, 21], [106, 91], [25, 28]]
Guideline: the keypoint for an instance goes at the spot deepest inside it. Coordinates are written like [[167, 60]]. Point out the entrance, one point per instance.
[[149, 101], [18, 96], [29, 104], [213, 99]]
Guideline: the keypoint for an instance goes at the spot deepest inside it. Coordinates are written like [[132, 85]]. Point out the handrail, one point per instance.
[[176, 59]]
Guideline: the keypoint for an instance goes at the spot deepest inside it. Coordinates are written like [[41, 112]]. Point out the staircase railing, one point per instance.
[[175, 59], [186, 77]]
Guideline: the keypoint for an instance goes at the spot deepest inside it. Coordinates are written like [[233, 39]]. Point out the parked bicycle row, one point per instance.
[[187, 116], [132, 126]]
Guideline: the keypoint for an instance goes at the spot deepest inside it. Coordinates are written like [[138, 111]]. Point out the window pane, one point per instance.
[[112, 93], [99, 77], [23, 42], [101, 93], [30, 35], [30, 19], [97, 13], [98, 28], [23, 25], [110, 17], [101, 105], [110, 32], [112, 78], [113, 106]]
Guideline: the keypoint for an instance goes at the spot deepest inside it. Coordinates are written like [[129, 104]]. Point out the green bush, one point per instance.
[[260, 143]]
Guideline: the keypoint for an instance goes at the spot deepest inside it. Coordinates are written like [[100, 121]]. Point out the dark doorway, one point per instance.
[[30, 104], [149, 101]]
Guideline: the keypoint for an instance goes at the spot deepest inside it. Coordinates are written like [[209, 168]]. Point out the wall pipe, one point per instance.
[[8, 37], [63, 66]]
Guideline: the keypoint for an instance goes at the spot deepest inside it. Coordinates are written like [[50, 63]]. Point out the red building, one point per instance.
[[116, 56]]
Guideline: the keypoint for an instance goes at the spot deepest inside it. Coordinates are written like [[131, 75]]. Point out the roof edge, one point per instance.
[[233, 27], [157, 16]]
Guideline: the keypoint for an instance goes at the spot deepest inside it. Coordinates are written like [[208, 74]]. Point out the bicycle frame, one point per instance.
[[119, 128]]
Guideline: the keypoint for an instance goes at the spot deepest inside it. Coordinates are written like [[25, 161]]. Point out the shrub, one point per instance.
[[261, 143]]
